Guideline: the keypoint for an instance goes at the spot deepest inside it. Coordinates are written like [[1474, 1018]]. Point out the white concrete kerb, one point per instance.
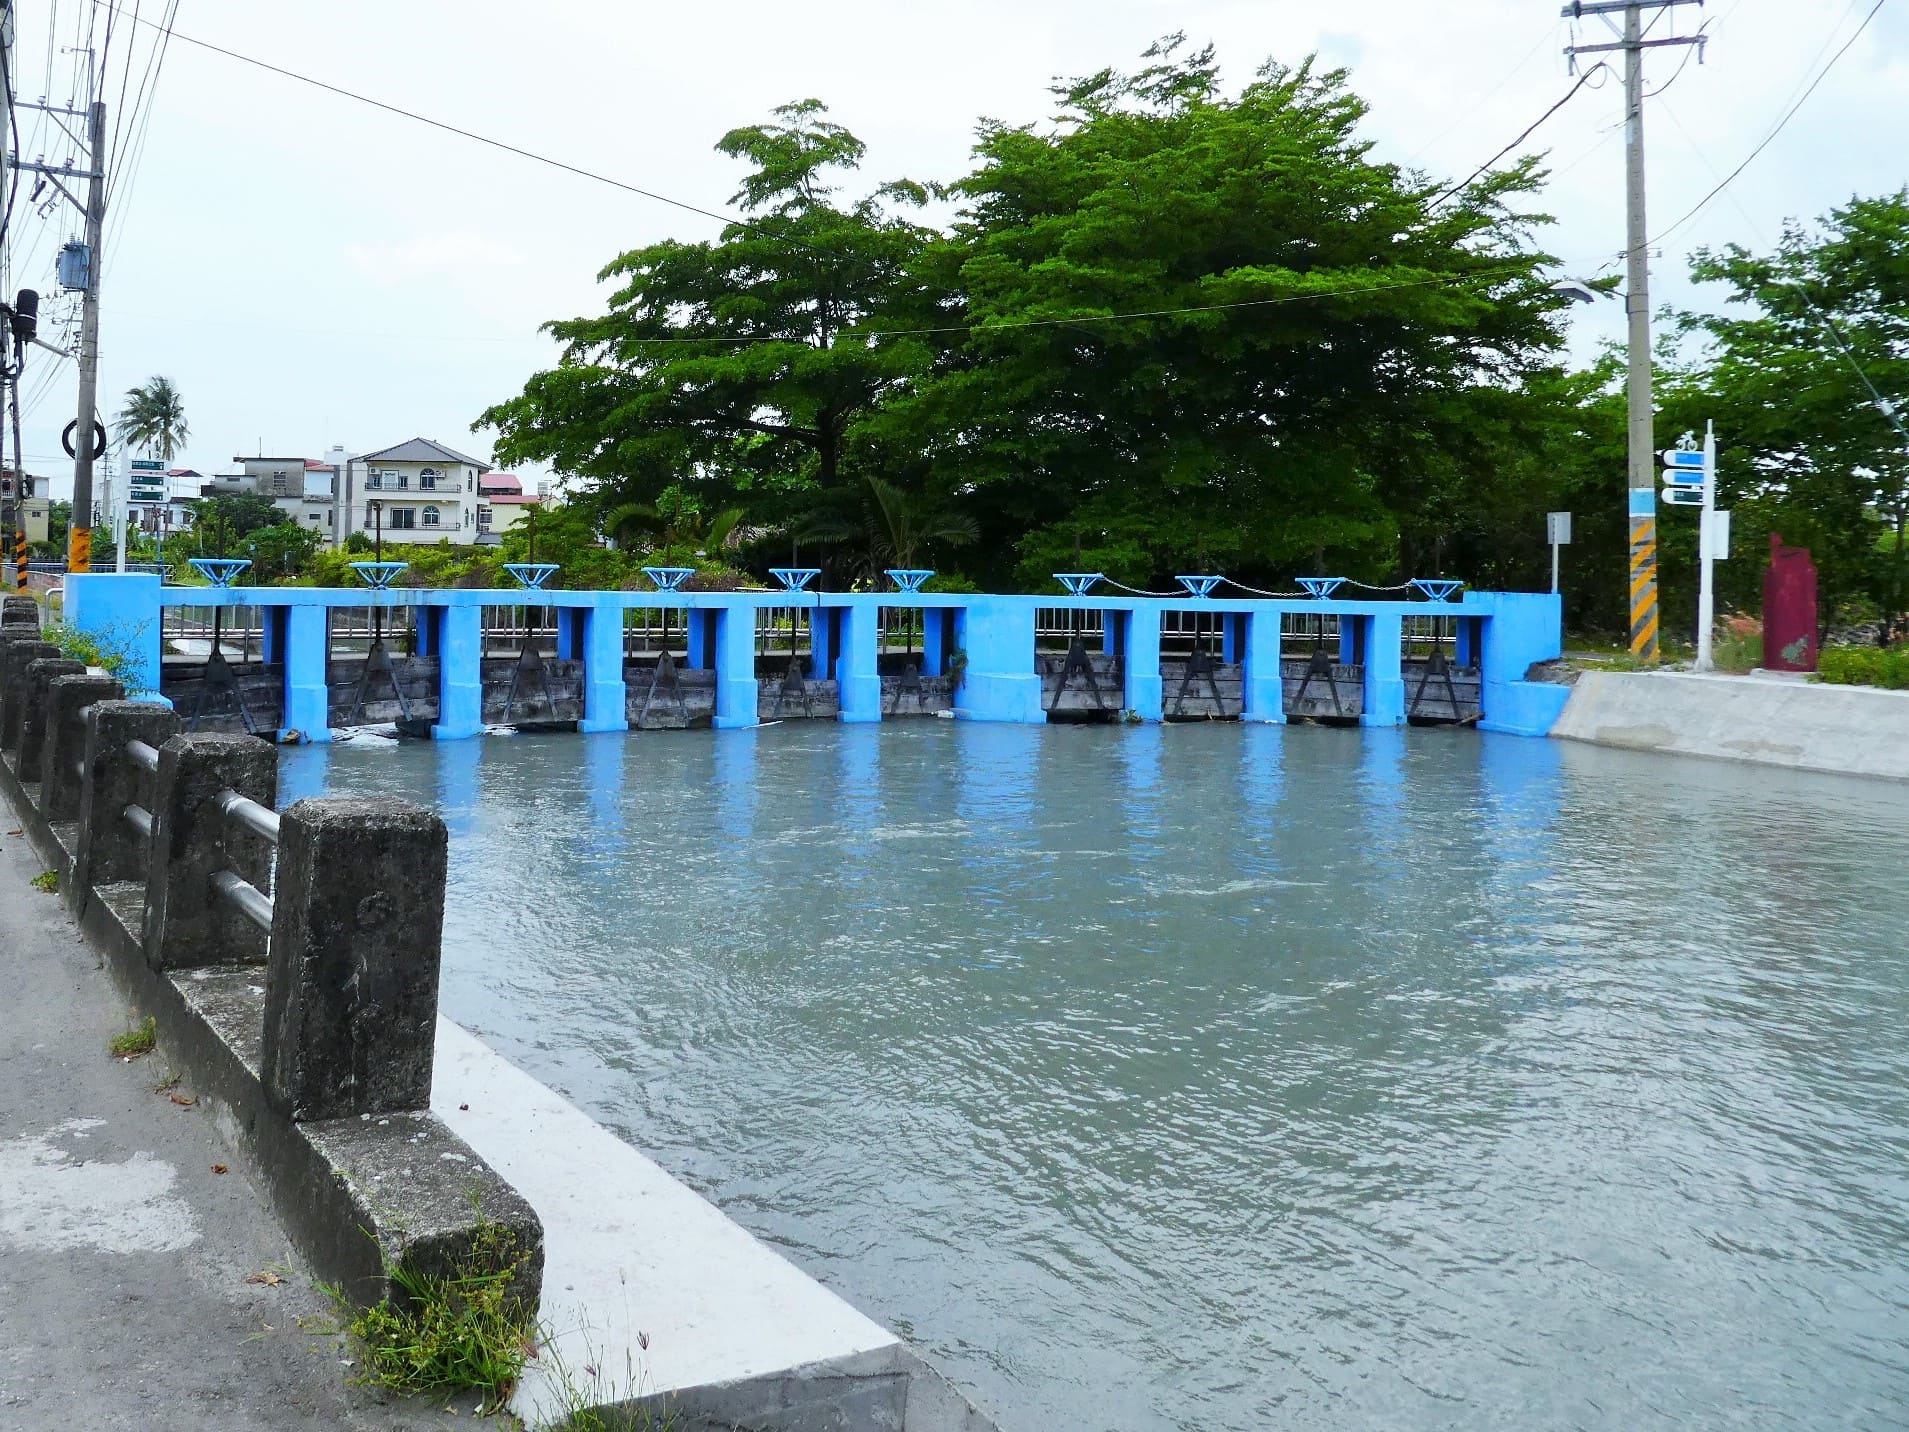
[[645, 1281]]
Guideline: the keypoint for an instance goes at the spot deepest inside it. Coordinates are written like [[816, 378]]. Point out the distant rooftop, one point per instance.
[[420, 450]]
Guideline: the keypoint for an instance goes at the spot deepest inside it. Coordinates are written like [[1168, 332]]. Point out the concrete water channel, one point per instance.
[[1224, 1076]]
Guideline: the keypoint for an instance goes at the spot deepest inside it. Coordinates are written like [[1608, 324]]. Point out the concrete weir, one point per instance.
[[736, 659], [290, 963]]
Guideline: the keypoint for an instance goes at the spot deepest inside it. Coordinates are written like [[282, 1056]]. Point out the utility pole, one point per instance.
[[79, 550], [1642, 481]]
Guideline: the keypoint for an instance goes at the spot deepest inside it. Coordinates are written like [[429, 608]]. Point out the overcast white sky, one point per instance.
[[311, 271]]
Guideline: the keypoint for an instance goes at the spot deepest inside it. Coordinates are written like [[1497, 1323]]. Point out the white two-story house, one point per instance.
[[418, 491]]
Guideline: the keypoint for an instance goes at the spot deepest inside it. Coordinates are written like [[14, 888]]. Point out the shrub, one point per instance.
[[1865, 666], [1738, 643]]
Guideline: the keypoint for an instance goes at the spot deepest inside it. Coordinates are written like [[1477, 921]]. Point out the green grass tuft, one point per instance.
[[135, 1041], [47, 880], [461, 1328]]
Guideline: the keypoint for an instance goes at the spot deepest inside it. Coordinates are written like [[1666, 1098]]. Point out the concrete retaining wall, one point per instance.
[[1772, 721]]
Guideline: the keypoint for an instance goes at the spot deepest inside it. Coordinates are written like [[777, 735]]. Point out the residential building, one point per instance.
[[418, 491], [299, 488], [502, 504]]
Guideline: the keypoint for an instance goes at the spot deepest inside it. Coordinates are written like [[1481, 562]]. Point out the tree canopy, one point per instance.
[[1176, 327], [154, 419]]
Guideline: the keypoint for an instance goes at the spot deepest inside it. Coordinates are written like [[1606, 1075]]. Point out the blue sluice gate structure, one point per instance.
[[979, 657]]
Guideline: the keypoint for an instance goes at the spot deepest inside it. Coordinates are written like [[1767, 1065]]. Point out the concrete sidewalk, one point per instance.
[[140, 1287]]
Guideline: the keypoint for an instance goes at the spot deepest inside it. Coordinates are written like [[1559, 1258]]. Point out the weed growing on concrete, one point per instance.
[[135, 1041], [587, 1397], [461, 1327], [47, 880]]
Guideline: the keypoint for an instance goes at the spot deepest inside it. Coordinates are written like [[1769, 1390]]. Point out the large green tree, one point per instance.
[[1211, 330], [1786, 369], [732, 371], [154, 419]]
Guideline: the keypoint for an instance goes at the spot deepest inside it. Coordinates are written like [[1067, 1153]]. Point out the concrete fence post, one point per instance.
[[62, 752], [357, 929], [19, 611], [109, 849], [14, 657], [39, 676], [186, 924]]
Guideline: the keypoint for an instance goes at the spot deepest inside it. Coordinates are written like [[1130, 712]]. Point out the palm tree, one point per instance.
[[154, 419]]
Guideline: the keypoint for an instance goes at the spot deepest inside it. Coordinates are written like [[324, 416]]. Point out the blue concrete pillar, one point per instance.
[[999, 682], [427, 623], [120, 611], [934, 640], [570, 623], [858, 678], [697, 620], [460, 682], [605, 705], [1465, 649], [1384, 675], [1265, 687], [1139, 637], [1352, 632], [737, 698], [271, 634], [1113, 632], [307, 658], [1232, 628], [824, 641]]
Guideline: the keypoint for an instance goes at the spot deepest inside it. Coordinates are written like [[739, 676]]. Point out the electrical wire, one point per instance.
[[1789, 114], [1530, 129], [747, 225]]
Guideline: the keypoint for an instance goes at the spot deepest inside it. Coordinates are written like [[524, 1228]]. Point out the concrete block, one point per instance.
[[61, 757], [187, 926], [20, 611], [15, 653], [39, 676], [109, 848], [351, 989]]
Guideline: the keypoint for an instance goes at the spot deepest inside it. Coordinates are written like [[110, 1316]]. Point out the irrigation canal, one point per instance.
[[1226, 1077]]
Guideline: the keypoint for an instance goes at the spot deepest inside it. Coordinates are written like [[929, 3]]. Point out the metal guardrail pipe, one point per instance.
[[139, 818], [244, 897], [144, 756], [248, 813]]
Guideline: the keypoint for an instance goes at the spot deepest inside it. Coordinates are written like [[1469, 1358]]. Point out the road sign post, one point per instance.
[[1690, 480], [1557, 531]]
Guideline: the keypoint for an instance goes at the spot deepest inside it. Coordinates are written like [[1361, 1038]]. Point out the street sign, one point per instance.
[[1557, 528], [1714, 536], [1679, 496], [147, 464], [1679, 457]]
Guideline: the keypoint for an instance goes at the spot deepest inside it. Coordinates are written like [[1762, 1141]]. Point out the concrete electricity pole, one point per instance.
[[79, 551], [1643, 455]]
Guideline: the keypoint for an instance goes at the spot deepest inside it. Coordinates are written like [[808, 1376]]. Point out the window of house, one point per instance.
[[374, 481], [430, 517], [402, 517], [470, 482], [484, 519], [427, 478]]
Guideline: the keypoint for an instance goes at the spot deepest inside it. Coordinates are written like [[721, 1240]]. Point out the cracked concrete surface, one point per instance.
[[126, 1259]]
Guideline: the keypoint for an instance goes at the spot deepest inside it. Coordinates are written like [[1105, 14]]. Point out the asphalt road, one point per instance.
[[141, 1286]]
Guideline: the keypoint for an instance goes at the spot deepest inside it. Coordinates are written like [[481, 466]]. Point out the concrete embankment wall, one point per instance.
[[1772, 721]]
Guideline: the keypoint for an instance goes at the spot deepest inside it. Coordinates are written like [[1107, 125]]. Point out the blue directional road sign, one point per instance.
[[1679, 496], [1682, 468]]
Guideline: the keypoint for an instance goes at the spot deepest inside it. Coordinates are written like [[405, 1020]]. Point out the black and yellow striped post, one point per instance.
[[79, 548], [20, 559], [1644, 573]]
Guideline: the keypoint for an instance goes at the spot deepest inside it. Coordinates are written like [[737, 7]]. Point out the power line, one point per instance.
[[484, 139], [1789, 114], [1530, 129]]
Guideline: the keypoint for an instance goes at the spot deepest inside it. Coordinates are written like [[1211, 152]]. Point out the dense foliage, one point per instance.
[[1174, 328]]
